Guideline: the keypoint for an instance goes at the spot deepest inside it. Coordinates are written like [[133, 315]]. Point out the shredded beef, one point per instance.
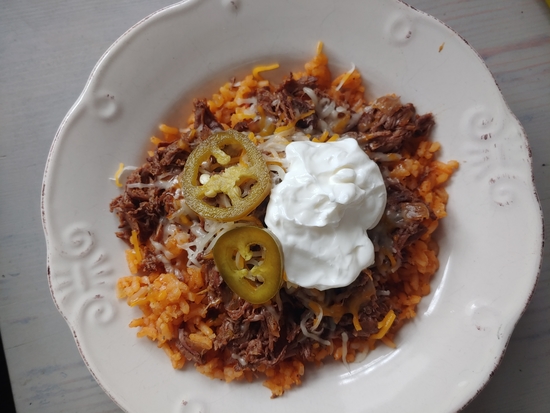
[[228, 330], [398, 193], [172, 155], [237, 308], [295, 87], [293, 102], [266, 100], [141, 209], [151, 263], [294, 108], [408, 227], [138, 209], [242, 126], [289, 101], [205, 121], [258, 335], [292, 329], [167, 202], [387, 132], [251, 333], [187, 348], [407, 235], [369, 316]]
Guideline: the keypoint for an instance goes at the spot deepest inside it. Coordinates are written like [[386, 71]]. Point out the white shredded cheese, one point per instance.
[[346, 77], [308, 91], [162, 249], [249, 101], [123, 175], [204, 238], [311, 335], [345, 349], [359, 357], [318, 319]]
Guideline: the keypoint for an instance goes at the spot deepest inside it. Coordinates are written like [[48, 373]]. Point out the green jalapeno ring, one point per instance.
[[228, 181], [270, 271]]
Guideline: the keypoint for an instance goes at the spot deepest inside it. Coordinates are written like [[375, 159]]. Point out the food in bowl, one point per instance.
[[282, 225]]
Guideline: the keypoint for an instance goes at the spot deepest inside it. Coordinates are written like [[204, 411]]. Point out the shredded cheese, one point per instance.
[[253, 219], [168, 129], [341, 124], [319, 47], [155, 140], [284, 128], [305, 115], [117, 174], [184, 145], [205, 238], [238, 117], [388, 342], [356, 323], [272, 162], [308, 334], [252, 137], [318, 310], [256, 71], [322, 138], [208, 256], [239, 261], [184, 220], [135, 242], [346, 77], [345, 349], [384, 325]]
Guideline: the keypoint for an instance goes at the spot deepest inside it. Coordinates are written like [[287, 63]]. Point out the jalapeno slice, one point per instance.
[[239, 176], [250, 262]]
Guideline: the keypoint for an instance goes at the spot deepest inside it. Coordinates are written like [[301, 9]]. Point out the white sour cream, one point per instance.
[[331, 194]]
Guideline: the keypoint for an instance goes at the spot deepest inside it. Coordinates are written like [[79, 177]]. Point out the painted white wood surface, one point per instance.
[[47, 50]]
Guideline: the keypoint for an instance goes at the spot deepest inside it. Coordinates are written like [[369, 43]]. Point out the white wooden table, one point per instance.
[[47, 50]]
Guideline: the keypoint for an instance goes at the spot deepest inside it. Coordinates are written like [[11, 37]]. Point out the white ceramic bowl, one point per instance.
[[490, 242]]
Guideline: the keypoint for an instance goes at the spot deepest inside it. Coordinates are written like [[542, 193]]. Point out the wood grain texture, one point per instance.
[[48, 49]]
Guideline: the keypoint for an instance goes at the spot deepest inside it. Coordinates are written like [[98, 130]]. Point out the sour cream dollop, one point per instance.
[[320, 212]]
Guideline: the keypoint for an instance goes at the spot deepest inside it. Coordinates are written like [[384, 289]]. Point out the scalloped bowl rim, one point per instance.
[[73, 116]]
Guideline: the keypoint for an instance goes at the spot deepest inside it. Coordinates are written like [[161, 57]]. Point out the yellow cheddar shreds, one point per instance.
[[168, 129], [155, 140], [385, 325], [135, 242], [284, 128], [258, 69], [118, 173], [319, 47], [252, 137]]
